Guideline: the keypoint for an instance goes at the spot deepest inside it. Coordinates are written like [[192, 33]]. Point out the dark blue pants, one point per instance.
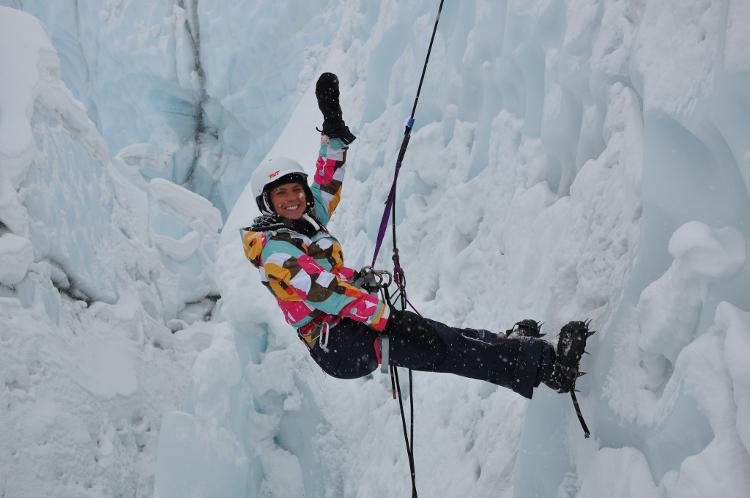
[[426, 345]]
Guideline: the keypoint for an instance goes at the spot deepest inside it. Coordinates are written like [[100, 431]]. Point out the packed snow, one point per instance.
[[587, 159], [89, 283]]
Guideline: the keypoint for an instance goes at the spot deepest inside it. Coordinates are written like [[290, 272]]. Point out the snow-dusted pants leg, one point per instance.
[[426, 345]]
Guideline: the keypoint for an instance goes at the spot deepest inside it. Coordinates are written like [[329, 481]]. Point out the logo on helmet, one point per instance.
[[274, 174]]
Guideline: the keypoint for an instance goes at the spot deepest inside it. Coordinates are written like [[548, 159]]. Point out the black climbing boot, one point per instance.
[[571, 345], [327, 92], [526, 328]]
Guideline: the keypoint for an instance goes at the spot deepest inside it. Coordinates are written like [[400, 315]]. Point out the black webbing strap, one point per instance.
[[586, 432]]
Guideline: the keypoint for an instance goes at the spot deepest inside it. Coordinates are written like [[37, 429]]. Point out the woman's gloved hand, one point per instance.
[[327, 93]]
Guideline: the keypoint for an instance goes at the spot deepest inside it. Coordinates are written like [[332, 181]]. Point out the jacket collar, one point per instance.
[[307, 225]]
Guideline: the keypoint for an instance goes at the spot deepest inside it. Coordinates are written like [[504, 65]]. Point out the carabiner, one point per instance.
[[323, 337]]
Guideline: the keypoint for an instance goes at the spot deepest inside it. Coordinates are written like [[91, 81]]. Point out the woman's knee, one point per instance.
[[350, 353], [344, 366]]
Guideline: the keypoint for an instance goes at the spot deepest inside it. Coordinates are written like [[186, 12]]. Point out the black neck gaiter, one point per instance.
[[306, 225]]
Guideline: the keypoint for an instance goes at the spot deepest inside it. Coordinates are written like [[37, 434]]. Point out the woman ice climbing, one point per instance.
[[302, 264]]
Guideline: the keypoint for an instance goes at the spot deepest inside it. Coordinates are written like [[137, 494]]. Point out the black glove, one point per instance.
[[327, 92]]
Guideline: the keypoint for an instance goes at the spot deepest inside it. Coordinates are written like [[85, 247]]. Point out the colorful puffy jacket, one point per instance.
[[306, 272]]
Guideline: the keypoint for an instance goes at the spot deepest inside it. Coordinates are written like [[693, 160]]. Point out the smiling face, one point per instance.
[[289, 200]]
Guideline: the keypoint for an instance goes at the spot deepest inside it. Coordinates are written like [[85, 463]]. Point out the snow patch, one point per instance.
[[15, 258], [669, 308]]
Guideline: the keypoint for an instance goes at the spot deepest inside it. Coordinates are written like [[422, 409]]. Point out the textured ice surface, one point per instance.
[[88, 280], [580, 159], [669, 308], [165, 89], [204, 442], [15, 258], [569, 161]]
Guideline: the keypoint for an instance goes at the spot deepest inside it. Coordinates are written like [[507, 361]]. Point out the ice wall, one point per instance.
[[578, 159], [96, 266], [192, 92]]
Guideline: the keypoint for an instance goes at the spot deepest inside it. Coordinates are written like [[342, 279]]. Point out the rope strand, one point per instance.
[[429, 50], [399, 276]]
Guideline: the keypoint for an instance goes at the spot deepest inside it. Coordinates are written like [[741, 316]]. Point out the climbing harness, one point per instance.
[[398, 275]]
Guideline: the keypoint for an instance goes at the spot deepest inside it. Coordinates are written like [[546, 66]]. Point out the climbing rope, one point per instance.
[[399, 276]]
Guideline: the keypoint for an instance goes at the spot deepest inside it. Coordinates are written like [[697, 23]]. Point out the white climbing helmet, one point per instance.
[[277, 171]]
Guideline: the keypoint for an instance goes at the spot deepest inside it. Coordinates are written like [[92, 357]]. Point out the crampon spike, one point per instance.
[[580, 374]]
